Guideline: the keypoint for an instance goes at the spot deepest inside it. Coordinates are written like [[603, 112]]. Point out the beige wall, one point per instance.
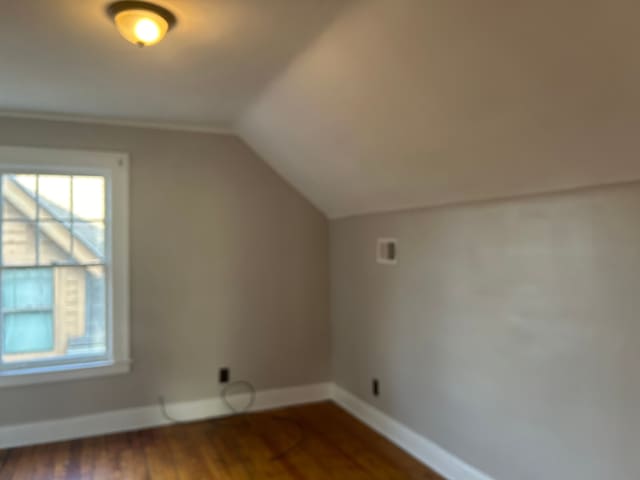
[[508, 332], [229, 267]]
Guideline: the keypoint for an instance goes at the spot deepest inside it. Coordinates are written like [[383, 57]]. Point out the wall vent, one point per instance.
[[387, 251]]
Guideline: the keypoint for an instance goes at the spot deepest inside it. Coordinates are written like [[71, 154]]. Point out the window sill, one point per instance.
[[12, 378]]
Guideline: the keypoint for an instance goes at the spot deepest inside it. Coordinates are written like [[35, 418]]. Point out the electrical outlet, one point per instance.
[[223, 375], [375, 387]]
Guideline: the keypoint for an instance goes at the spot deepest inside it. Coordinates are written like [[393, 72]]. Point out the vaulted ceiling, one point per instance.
[[363, 105]]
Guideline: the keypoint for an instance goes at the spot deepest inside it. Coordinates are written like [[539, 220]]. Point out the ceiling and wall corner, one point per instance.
[[363, 106]]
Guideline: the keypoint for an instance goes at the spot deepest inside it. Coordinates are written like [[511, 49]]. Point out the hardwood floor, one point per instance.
[[316, 441]]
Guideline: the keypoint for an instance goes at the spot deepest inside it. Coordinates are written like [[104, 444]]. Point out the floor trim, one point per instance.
[[423, 449], [151, 416]]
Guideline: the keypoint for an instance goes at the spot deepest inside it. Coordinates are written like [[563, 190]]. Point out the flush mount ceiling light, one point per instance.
[[141, 23]]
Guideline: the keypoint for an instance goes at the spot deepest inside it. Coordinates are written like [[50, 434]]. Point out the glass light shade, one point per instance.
[[141, 27]]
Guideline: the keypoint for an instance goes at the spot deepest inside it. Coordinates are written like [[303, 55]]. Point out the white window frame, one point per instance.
[[114, 166]]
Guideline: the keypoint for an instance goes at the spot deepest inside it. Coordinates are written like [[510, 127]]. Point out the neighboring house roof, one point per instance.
[[88, 238]]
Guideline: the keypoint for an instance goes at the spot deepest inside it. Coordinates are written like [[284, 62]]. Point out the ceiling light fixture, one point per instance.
[[141, 23]]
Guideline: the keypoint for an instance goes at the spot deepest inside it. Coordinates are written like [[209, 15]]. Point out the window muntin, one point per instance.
[[55, 258]]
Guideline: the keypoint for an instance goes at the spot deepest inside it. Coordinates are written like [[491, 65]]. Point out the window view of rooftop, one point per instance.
[[53, 268]]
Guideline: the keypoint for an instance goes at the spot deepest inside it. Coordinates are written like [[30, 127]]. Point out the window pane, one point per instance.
[[26, 333], [54, 245], [18, 197], [89, 241], [93, 340], [27, 289], [26, 181], [54, 196], [18, 243], [88, 198], [77, 301], [27, 300]]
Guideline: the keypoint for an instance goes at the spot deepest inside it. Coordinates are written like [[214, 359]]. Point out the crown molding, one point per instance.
[[117, 122]]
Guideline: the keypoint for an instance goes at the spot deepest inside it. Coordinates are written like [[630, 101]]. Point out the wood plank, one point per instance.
[[309, 442]]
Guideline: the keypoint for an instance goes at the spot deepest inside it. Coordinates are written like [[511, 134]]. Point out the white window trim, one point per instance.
[[115, 167]]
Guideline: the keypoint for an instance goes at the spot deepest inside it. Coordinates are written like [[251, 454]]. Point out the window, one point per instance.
[[63, 264]]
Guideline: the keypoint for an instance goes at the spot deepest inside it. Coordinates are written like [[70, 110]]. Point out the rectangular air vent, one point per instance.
[[387, 251]]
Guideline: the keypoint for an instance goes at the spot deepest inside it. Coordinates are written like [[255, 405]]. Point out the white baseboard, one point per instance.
[[151, 416], [435, 457], [443, 462]]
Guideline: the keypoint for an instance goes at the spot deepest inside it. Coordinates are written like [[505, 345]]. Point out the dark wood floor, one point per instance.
[[317, 441]]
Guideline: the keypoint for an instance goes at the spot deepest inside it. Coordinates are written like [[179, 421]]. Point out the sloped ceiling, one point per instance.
[[409, 103], [363, 105]]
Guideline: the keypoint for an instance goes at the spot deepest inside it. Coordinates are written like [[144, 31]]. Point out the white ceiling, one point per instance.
[[363, 105], [65, 56]]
